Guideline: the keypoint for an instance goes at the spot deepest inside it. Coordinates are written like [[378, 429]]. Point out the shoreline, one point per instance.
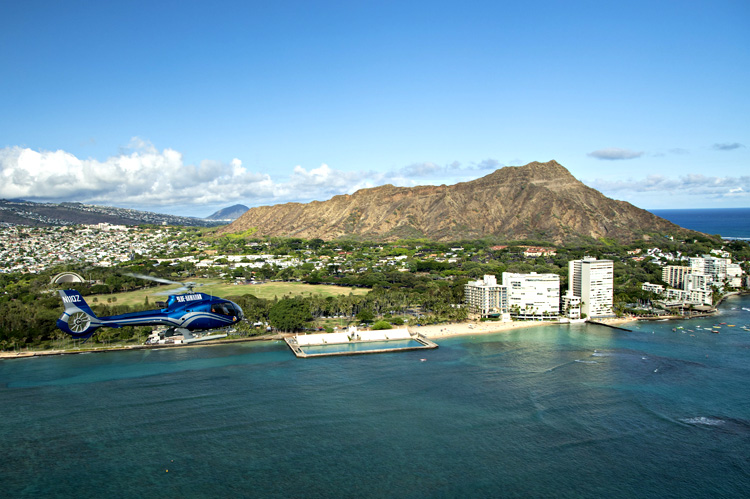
[[431, 332], [477, 327], [126, 348]]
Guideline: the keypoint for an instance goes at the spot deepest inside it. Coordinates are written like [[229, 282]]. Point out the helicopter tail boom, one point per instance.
[[78, 320]]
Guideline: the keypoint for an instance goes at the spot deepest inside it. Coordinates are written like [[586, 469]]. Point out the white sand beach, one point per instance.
[[475, 327]]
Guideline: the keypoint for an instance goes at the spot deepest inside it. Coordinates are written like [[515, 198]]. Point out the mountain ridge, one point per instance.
[[535, 201], [229, 213], [22, 212]]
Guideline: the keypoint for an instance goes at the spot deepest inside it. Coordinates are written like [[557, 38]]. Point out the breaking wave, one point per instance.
[[703, 421]]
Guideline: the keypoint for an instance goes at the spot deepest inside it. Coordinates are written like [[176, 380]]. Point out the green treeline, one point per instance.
[[425, 288], [29, 308]]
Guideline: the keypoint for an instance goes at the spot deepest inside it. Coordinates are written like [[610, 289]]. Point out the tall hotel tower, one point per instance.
[[592, 281]]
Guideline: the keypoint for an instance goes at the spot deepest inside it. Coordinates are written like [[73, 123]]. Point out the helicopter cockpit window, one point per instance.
[[236, 311], [225, 309]]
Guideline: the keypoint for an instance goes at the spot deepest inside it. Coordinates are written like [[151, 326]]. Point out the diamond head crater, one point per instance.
[[539, 201]]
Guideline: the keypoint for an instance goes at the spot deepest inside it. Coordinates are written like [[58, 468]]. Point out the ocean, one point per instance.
[[550, 411], [730, 223]]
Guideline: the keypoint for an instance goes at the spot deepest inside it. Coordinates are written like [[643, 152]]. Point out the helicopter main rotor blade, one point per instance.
[[168, 292], [152, 278]]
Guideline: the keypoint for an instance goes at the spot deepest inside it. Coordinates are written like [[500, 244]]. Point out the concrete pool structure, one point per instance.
[[354, 342]]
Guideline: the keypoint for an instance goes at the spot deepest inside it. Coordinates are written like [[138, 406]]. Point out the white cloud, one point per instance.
[[410, 173], [691, 184], [143, 177], [140, 176], [425, 169], [489, 164], [615, 153], [729, 146]]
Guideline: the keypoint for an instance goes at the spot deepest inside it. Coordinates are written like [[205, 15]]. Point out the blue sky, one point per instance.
[[187, 107]]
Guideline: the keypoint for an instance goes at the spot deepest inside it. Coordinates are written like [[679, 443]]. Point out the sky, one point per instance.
[[186, 107]]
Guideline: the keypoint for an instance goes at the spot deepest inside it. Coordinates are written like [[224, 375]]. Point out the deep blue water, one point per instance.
[[551, 411], [727, 222]]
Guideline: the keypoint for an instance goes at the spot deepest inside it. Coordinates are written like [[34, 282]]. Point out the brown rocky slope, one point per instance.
[[540, 201]]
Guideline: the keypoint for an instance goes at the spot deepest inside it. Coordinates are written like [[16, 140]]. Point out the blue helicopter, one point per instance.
[[181, 314]]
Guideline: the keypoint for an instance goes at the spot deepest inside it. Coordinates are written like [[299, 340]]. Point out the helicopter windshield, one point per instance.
[[227, 308]]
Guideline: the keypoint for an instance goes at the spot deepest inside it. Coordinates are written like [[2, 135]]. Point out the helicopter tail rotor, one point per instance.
[[78, 320]]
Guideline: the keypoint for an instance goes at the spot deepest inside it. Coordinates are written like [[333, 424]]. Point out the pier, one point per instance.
[[609, 325]]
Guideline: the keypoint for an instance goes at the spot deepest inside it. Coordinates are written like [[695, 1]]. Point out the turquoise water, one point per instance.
[[569, 411], [360, 347]]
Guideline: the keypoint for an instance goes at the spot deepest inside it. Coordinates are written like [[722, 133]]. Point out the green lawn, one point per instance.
[[267, 291]]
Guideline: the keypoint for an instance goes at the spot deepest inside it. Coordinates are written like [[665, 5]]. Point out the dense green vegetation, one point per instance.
[[415, 280]]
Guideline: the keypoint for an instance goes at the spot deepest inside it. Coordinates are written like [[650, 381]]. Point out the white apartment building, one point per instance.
[[674, 275], [697, 282], [710, 265], [734, 275], [721, 271], [592, 280], [533, 296], [571, 306], [657, 289], [486, 297], [681, 297]]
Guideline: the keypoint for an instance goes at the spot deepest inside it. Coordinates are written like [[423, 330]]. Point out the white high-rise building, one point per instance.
[[486, 296], [593, 281], [721, 271], [697, 282], [533, 295], [674, 275]]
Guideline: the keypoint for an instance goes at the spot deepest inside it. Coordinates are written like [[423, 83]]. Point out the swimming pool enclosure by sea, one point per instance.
[[355, 342]]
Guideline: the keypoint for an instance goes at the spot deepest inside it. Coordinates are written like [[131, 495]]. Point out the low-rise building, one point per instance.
[[571, 306], [533, 296]]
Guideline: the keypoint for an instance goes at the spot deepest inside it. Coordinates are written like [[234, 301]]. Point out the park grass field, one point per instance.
[[267, 291]]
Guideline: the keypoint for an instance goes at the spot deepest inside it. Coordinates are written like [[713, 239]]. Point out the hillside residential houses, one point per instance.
[[694, 284], [529, 251], [537, 251], [33, 249]]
